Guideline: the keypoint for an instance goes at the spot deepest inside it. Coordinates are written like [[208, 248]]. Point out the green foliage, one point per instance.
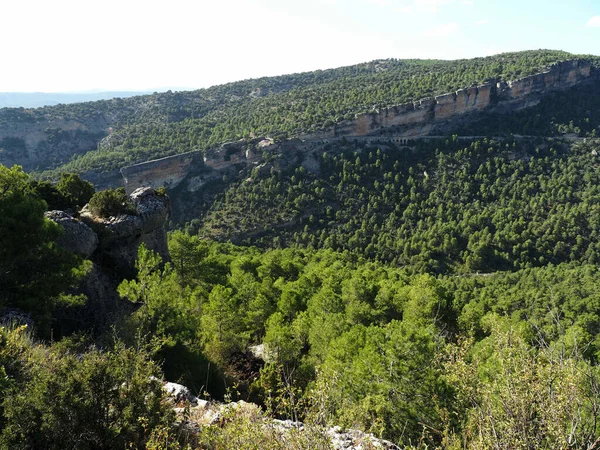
[[48, 192], [77, 191], [70, 193], [246, 428], [386, 379], [519, 397], [12, 146], [449, 206], [34, 271], [169, 315], [444, 296], [573, 112], [111, 202], [60, 399]]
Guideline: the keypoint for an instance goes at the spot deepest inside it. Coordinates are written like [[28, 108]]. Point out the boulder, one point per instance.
[[77, 236], [181, 394]]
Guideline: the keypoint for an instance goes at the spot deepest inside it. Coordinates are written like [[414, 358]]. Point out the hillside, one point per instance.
[[152, 126], [39, 99], [339, 264]]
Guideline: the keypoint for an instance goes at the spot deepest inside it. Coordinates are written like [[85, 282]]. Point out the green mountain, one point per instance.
[[38, 99]]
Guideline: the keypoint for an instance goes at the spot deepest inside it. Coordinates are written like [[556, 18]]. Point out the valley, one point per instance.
[[395, 254]]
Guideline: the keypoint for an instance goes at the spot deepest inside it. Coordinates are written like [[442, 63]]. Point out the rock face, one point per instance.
[[424, 116], [77, 236], [121, 236], [31, 141]]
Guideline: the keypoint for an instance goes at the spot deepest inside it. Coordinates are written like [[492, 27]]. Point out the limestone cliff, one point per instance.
[[195, 175], [32, 141], [431, 115]]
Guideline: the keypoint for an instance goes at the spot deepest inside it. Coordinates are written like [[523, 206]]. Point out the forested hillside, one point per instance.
[[439, 293], [445, 206], [148, 127]]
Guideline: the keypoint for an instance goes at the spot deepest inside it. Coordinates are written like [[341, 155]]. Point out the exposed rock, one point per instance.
[[121, 236], [180, 393], [77, 236], [341, 439], [196, 174], [112, 245], [357, 440], [259, 351], [197, 414]]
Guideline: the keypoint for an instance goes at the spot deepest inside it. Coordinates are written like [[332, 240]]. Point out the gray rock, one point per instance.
[[120, 236], [77, 236], [180, 393], [15, 317]]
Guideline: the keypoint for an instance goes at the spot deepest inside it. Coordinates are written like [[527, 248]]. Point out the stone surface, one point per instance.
[[180, 393], [76, 136], [112, 246], [77, 236], [216, 414], [120, 236]]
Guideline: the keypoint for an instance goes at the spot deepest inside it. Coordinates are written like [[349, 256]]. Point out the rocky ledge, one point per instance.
[[112, 245]]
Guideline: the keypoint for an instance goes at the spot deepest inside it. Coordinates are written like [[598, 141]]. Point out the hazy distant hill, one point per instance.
[[37, 99]]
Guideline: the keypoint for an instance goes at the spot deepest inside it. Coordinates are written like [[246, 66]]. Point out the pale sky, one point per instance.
[[79, 45]]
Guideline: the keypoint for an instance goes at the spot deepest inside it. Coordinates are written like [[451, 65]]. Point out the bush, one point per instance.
[[34, 270], [91, 400], [111, 202], [76, 190]]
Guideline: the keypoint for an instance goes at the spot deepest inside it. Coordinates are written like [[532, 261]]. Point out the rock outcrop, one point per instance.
[[197, 414], [430, 114], [121, 236], [192, 172], [112, 246], [77, 237], [32, 139]]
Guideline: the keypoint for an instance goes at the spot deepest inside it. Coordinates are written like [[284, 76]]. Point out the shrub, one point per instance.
[[76, 190], [111, 202], [91, 400]]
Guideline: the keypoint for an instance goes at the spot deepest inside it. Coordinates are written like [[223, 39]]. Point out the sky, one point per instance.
[[91, 45]]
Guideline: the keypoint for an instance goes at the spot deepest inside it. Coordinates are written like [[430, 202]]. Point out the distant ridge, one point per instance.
[[38, 99]]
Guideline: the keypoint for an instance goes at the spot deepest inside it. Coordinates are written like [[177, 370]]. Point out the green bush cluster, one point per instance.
[[64, 397], [70, 193], [111, 202], [447, 206]]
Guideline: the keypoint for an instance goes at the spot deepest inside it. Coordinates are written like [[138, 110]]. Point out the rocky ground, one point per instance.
[[196, 415]]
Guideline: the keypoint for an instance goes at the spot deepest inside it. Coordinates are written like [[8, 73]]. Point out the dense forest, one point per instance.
[[444, 207], [439, 295]]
